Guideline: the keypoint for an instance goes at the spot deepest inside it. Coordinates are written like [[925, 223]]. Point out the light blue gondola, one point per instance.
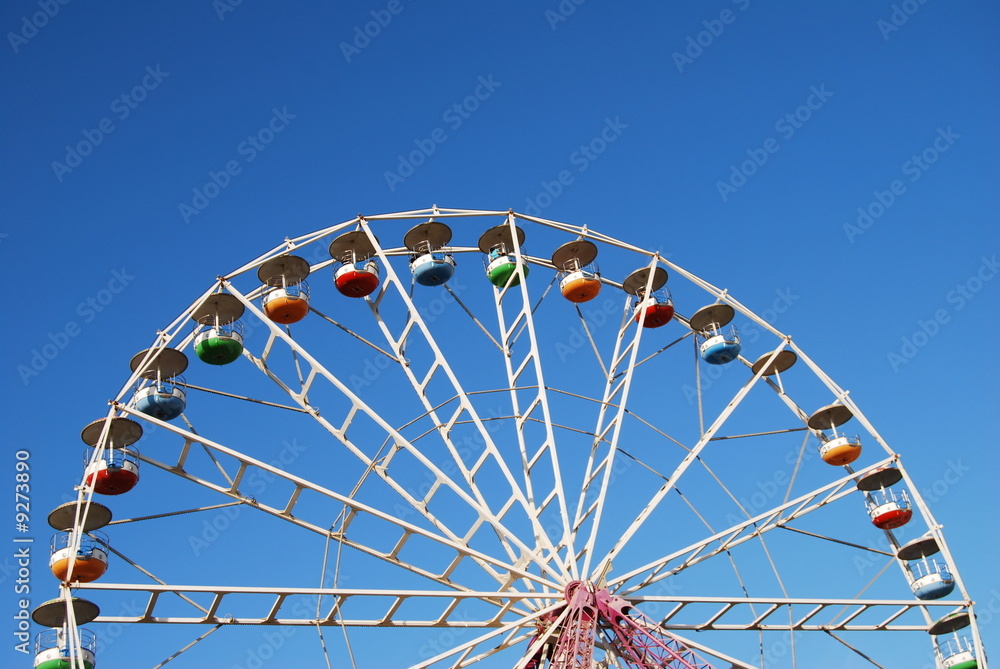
[[164, 401], [433, 269], [720, 349], [717, 347], [929, 579], [163, 397], [430, 265]]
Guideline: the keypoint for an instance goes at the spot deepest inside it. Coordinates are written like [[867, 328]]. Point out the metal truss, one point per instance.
[[546, 561], [876, 614]]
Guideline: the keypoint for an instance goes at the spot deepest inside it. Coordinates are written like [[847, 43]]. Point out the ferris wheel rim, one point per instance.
[[549, 562]]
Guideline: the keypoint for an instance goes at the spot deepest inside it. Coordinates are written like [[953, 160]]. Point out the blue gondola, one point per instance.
[[720, 349], [432, 269], [163, 397], [717, 347], [929, 579], [429, 263], [164, 401]]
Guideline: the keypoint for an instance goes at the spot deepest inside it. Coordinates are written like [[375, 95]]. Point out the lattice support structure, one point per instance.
[[529, 400], [525, 500], [595, 616]]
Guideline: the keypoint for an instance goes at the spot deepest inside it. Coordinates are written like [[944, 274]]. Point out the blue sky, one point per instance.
[[833, 166]]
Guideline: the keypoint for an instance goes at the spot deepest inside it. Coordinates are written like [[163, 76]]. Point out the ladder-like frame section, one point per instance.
[[529, 399], [737, 611], [540, 569]]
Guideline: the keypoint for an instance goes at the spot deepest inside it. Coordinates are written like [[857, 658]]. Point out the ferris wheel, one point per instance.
[[450, 438]]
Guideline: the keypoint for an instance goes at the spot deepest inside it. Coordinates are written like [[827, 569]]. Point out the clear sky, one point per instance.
[[832, 164]]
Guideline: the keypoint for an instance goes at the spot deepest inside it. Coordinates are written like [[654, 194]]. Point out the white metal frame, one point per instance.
[[532, 570]]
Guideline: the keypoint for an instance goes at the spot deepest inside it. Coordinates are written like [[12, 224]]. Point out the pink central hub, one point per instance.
[[567, 636]]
